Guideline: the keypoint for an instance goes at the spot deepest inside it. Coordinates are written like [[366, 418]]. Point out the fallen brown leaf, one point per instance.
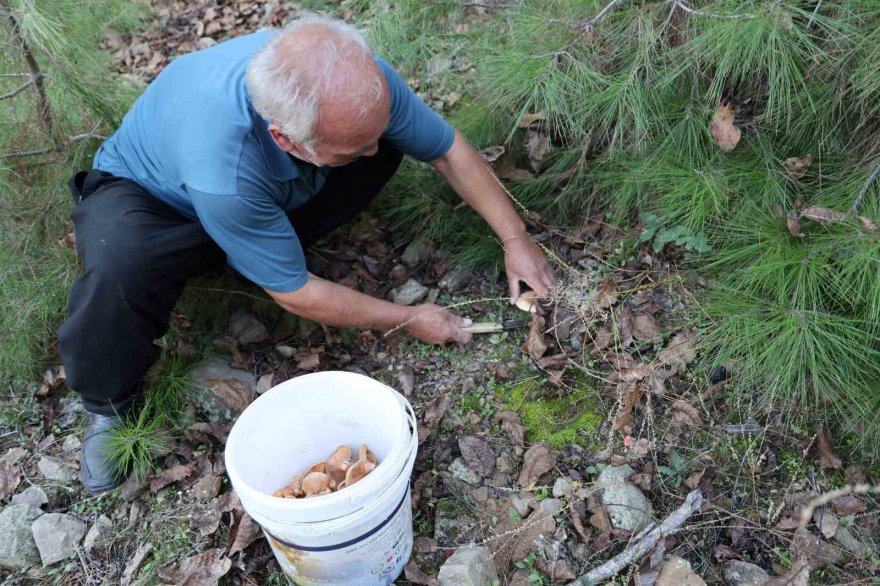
[[407, 379], [676, 571], [10, 477], [477, 454], [534, 344], [53, 378], [628, 401], [684, 412], [243, 534], [538, 459], [607, 294], [530, 118], [603, 339], [559, 570], [206, 522], [134, 563], [204, 569], [867, 223], [823, 215], [724, 134], [807, 547], [794, 224], [796, 167], [512, 426], [491, 154], [174, 474], [437, 409], [848, 505], [537, 145], [824, 445], [693, 481], [415, 575], [233, 393], [644, 327], [678, 354]]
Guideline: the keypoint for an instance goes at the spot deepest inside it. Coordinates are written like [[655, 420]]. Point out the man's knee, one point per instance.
[[116, 254]]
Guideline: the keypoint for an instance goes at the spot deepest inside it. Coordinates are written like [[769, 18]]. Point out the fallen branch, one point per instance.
[[858, 201], [643, 543], [807, 513], [699, 12], [58, 147], [813, 16]]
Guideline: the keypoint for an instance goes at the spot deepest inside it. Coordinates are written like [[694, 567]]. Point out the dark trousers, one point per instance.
[[138, 254]]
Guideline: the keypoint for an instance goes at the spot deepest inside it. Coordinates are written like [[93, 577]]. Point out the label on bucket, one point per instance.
[[376, 557]]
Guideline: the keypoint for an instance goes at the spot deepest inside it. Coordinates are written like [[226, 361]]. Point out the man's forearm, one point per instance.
[[471, 178], [336, 305]]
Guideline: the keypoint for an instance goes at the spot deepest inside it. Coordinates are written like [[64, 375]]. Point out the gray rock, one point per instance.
[[17, 548], [69, 410], [57, 536], [452, 525], [99, 533], [216, 367], [71, 444], [849, 542], [247, 329], [32, 495], [522, 503], [551, 506], [206, 42], [460, 470], [455, 279], [562, 487], [265, 383], [739, 573], [131, 488], [627, 506], [415, 253], [409, 293], [55, 469], [468, 566]]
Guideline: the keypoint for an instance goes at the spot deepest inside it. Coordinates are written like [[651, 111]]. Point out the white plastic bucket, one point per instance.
[[357, 536]]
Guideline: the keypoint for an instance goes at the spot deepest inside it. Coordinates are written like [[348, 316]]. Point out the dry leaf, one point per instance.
[[676, 571], [693, 481], [208, 521], [809, 548], [603, 338], [174, 474], [10, 476], [559, 570], [867, 224], [827, 457], [233, 393], [537, 145], [607, 294], [309, 358], [204, 569], [134, 563], [644, 327], [534, 344], [848, 505], [477, 454], [794, 224], [629, 400], [512, 426], [491, 154], [684, 412], [245, 532], [827, 522], [678, 354], [823, 215], [437, 409], [407, 379], [797, 575], [724, 134], [53, 378], [528, 119], [538, 459], [796, 167]]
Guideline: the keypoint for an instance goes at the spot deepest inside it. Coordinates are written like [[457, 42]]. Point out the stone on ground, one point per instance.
[[415, 253], [739, 573], [17, 548], [522, 503], [409, 293], [218, 368], [71, 444], [99, 533], [265, 383], [627, 506], [452, 526], [676, 571], [455, 279], [562, 487], [462, 471], [551, 506], [32, 495], [247, 329], [57, 536], [56, 469], [468, 566]]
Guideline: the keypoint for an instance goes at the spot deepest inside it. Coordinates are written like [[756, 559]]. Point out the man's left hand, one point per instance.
[[525, 261]]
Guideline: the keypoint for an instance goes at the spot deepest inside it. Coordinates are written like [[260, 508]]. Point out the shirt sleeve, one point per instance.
[[258, 239], [414, 129]]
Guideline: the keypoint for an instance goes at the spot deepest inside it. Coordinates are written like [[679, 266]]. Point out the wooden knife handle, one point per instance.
[[486, 327]]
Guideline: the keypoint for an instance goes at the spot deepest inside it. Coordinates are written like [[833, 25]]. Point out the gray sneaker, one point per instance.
[[96, 471]]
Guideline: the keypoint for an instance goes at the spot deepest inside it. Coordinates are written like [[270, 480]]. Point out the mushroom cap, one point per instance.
[[316, 483], [339, 463], [528, 302]]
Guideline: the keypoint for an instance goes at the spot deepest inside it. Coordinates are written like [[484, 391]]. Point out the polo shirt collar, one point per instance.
[[281, 165]]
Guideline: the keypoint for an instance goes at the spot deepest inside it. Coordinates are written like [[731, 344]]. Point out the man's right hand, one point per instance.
[[437, 325]]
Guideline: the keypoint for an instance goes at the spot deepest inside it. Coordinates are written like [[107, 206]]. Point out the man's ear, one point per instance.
[[283, 142]]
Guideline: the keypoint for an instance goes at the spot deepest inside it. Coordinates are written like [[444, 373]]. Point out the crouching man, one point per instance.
[[247, 153]]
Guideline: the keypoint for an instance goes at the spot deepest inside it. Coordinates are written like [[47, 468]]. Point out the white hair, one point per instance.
[[288, 91]]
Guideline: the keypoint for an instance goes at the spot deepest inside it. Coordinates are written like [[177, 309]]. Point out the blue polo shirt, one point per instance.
[[194, 140]]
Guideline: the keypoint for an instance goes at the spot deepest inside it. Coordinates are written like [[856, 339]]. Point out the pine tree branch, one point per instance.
[[699, 12], [588, 26], [58, 147], [33, 69], [813, 16], [18, 90], [854, 208]]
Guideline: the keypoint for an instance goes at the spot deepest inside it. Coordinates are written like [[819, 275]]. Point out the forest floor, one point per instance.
[[552, 445]]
